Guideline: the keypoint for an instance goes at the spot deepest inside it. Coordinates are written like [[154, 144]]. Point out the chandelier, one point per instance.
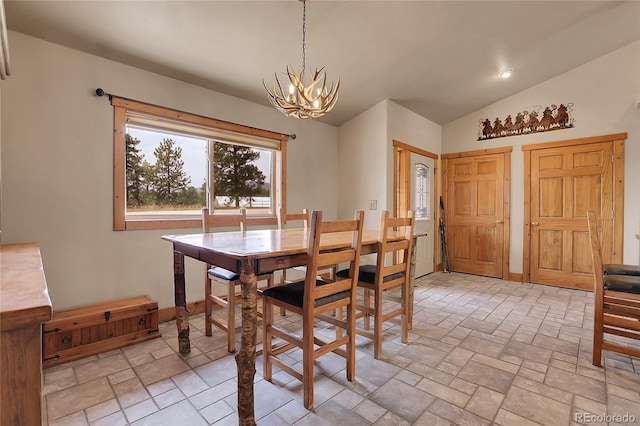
[[304, 101]]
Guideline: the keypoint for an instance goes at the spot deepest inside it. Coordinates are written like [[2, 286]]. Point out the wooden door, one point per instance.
[[477, 212], [421, 188], [566, 182], [408, 165]]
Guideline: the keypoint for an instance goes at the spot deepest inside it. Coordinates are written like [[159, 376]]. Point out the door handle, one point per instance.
[[499, 222], [535, 223]]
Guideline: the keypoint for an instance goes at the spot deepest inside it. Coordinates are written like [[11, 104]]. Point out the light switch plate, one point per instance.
[[373, 204]]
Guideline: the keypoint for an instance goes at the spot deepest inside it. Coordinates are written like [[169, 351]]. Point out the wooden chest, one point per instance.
[[93, 329]]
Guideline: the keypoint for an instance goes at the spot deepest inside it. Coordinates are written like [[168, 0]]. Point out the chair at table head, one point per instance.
[[616, 297], [217, 276], [302, 217]]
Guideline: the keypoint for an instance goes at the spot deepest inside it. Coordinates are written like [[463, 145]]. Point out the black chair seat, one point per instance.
[[618, 269], [367, 274], [293, 294], [224, 274], [623, 283]]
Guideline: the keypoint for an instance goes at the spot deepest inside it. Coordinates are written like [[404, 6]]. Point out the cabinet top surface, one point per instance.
[[24, 297]]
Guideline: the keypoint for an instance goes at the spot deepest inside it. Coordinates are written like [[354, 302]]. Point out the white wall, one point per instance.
[[57, 170], [406, 126], [603, 93], [366, 155], [362, 164]]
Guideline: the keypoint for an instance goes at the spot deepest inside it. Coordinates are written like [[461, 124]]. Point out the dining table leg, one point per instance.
[[246, 356], [180, 299]]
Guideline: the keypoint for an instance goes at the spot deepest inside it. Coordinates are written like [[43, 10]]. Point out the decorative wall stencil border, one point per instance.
[[553, 118]]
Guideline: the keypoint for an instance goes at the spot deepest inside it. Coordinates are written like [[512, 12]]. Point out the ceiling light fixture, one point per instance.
[[506, 73], [304, 101]]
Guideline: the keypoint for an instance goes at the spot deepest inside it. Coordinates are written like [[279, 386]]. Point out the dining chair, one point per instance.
[[314, 300], [391, 271], [252, 222], [616, 302], [231, 281], [284, 217]]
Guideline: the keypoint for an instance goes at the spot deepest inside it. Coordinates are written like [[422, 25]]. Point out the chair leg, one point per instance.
[[598, 329], [339, 314], [351, 344], [207, 305], [283, 281], [377, 324], [267, 339], [307, 360], [231, 317], [367, 305], [404, 317]]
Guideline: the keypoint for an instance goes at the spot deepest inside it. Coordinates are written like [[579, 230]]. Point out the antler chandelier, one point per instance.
[[304, 101]]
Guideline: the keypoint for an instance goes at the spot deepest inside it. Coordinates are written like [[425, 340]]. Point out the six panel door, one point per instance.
[[475, 214], [566, 183]]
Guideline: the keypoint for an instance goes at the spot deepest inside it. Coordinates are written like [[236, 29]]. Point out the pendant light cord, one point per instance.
[[304, 33]]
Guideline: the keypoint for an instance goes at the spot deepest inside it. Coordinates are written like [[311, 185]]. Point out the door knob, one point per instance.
[[535, 223], [498, 222]]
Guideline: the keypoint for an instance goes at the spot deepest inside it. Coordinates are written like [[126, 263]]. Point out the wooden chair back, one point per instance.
[[256, 222], [318, 260], [209, 221], [284, 217], [394, 255]]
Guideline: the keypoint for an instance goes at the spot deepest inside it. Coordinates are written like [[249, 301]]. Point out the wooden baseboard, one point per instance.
[[168, 314], [514, 276]]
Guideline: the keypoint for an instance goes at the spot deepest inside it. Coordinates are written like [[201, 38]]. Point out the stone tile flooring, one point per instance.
[[482, 352]]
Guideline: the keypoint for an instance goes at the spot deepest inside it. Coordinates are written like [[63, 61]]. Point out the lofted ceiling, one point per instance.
[[439, 59]]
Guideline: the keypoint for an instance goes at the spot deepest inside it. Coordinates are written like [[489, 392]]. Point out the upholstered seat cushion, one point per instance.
[[623, 283], [618, 269], [367, 274], [222, 273], [293, 294]]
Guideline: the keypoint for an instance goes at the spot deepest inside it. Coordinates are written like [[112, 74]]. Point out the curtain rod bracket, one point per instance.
[[100, 92], [293, 136]]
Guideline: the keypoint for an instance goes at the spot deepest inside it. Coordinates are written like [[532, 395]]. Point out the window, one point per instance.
[[422, 189], [168, 165]]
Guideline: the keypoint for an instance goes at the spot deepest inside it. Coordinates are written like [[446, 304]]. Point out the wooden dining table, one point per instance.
[[252, 253]]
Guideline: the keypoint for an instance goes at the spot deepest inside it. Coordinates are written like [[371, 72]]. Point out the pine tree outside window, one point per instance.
[[168, 165]]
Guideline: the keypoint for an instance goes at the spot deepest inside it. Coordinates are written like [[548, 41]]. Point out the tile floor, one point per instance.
[[482, 352]]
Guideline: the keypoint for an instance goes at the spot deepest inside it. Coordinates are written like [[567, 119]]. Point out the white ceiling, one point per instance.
[[437, 58]]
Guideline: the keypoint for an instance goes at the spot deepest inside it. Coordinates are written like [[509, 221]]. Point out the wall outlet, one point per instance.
[[373, 204]]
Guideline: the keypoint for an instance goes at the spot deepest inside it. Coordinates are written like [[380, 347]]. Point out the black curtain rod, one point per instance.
[[100, 92]]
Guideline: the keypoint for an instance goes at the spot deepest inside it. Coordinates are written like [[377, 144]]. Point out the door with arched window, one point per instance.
[[415, 182], [422, 179]]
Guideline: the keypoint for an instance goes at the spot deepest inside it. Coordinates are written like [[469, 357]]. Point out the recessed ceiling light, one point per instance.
[[506, 73]]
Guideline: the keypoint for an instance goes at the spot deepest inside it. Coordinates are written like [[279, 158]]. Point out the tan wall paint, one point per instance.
[[603, 92], [57, 150], [366, 155], [362, 163]]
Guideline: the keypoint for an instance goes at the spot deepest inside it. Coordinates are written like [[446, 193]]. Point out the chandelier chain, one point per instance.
[[304, 33]]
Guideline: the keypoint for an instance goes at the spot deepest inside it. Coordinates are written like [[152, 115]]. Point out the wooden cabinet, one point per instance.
[[24, 306]]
